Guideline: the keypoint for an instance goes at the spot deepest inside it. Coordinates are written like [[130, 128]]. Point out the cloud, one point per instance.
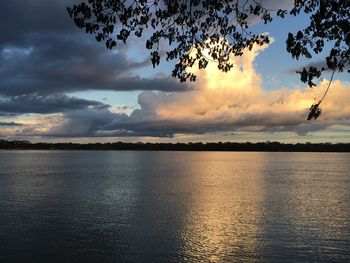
[[22, 19], [84, 123], [221, 102], [45, 53], [43, 56], [35, 103], [52, 64], [11, 124]]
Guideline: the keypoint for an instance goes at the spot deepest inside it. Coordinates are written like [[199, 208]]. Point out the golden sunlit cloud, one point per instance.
[[237, 101]]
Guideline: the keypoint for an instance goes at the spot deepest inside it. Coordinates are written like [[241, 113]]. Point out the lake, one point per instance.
[[130, 206]]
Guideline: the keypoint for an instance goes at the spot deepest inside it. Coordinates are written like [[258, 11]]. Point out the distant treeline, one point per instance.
[[219, 146]]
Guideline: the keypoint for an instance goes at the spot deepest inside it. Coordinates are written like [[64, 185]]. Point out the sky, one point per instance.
[[58, 84]]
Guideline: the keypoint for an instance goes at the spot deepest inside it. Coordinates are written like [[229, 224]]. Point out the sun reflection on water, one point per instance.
[[224, 214]]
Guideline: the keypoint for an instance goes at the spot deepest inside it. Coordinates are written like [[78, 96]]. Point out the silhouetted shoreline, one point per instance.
[[219, 146]]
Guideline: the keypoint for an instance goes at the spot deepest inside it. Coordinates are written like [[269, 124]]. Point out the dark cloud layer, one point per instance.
[[42, 52], [102, 123], [22, 19], [10, 124], [35, 103]]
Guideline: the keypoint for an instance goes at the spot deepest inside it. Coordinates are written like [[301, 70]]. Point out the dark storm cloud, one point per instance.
[[11, 124], [302, 129], [103, 123], [42, 52], [66, 64], [35, 103], [22, 19], [84, 123], [38, 70]]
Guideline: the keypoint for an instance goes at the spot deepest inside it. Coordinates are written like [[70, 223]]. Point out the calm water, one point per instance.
[[75, 206]]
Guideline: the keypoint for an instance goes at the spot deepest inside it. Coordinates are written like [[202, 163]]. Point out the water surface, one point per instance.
[[94, 206]]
